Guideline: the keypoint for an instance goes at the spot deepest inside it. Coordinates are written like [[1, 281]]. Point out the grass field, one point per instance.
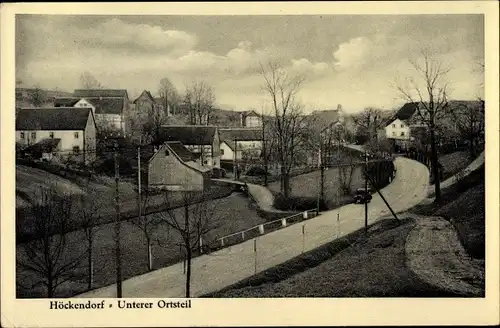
[[307, 185], [353, 266], [232, 213], [454, 162]]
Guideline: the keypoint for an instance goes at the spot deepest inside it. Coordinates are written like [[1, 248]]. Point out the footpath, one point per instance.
[[434, 252]]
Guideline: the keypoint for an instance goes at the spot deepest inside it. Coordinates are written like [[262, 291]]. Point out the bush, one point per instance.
[[379, 172], [256, 171], [297, 203]]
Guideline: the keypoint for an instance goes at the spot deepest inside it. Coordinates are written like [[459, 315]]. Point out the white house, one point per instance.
[[74, 127], [244, 142], [398, 129]]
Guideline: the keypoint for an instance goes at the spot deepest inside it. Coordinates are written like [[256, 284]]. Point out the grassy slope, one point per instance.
[[454, 162], [230, 214], [464, 203], [373, 267]]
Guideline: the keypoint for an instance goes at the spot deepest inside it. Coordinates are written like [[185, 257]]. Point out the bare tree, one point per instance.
[[200, 98], [169, 95], [89, 211], [37, 97], [88, 81], [369, 121], [192, 223], [428, 90], [287, 120], [148, 224], [49, 256]]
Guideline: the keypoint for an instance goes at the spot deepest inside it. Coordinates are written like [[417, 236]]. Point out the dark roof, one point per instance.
[[242, 134], [107, 105], [188, 134], [93, 93], [65, 102], [249, 113], [406, 112], [47, 145], [58, 118], [148, 94], [185, 154], [321, 119]]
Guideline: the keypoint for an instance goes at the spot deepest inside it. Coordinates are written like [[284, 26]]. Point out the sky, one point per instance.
[[352, 60]]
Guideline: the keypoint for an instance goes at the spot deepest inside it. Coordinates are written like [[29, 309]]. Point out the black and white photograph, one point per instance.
[[192, 157]]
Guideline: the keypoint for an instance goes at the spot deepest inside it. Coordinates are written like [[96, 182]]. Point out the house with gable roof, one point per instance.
[[202, 140], [235, 142], [173, 167], [72, 129]]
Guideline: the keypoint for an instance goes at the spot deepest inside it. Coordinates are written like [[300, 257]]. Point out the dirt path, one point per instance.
[[435, 254]]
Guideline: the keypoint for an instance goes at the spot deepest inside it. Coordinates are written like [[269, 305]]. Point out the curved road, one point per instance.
[[225, 267]]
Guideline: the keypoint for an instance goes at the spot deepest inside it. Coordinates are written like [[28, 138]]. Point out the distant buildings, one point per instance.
[[239, 143], [109, 106], [72, 131], [250, 119]]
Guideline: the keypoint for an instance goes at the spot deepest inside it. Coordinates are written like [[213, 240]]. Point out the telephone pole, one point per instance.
[[366, 191], [235, 162], [117, 226]]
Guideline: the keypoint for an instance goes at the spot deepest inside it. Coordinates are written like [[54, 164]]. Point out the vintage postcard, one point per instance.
[[249, 164]]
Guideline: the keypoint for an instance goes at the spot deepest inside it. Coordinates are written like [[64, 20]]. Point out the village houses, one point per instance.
[[250, 119], [239, 143], [201, 140], [57, 132], [109, 106]]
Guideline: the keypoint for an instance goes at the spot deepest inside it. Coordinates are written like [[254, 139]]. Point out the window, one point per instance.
[[393, 133], [166, 152], [33, 135], [394, 125], [76, 149], [402, 125], [22, 135], [76, 135], [402, 134], [205, 162], [51, 135], [222, 151]]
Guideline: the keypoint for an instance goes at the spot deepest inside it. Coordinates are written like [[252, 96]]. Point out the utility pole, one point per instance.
[[117, 226], [366, 191], [235, 162], [322, 175]]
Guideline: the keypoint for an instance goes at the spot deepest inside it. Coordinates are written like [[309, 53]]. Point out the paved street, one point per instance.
[[228, 266]]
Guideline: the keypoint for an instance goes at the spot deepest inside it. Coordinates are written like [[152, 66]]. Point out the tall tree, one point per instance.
[[428, 90], [37, 96], [192, 222], [49, 256], [88, 81], [469, 119], [287, 120], [369, 121], [169, 95], [200, 98]]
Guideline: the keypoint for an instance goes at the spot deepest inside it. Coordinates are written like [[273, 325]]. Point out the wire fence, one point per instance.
[[259, 230]]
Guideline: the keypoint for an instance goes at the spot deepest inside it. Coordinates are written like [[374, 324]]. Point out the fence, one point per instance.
[[259, 230]]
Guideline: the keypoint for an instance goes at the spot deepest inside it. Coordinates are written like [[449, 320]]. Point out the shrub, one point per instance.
[[298, 203], [256, 171]]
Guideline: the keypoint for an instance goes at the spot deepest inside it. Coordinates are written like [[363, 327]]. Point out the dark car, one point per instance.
[[362, 196]]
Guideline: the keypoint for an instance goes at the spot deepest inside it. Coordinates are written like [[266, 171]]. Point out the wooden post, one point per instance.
[[117, 226], [366, 191]]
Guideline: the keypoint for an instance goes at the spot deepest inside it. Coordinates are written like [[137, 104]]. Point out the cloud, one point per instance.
[[305, 67], [352, 54]]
